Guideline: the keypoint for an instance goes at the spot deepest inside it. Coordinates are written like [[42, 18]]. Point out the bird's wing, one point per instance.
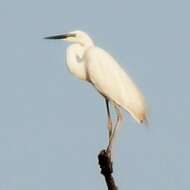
[[114, 83]]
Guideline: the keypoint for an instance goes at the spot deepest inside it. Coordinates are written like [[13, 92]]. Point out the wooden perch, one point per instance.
[[105, 163]]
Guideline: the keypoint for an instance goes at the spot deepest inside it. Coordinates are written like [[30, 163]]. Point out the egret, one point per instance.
[[93, 64]]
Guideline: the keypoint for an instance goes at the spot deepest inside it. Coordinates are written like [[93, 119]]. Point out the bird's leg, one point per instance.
[[117, 124], [109, 119]]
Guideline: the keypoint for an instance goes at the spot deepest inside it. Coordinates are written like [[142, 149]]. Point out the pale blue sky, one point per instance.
[[52, 125]]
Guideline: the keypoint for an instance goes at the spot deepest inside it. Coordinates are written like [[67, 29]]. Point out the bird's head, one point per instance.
[[79, 37]]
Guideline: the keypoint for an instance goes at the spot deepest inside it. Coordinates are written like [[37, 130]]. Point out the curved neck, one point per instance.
[[75, 62], [88, 42]]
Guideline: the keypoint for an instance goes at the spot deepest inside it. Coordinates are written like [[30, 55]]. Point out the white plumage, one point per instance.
[[113, 82], [93, 64]]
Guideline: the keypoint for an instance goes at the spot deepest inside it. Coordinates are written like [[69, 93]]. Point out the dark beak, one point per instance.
[[59, 36]]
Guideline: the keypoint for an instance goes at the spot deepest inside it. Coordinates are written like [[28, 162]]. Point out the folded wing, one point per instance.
[[114, 83]]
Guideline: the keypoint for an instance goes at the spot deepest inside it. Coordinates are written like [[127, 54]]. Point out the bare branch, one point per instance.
[[105, 163]]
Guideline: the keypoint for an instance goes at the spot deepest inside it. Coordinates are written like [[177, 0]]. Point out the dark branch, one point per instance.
[[106, 169]]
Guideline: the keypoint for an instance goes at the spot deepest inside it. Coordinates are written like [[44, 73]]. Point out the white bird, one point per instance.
[[93, 64]]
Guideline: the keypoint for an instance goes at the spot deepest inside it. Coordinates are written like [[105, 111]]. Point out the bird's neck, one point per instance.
[[87, 42], [75, 61]]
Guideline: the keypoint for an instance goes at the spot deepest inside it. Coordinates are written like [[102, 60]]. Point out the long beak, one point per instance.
[[59, 36]]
